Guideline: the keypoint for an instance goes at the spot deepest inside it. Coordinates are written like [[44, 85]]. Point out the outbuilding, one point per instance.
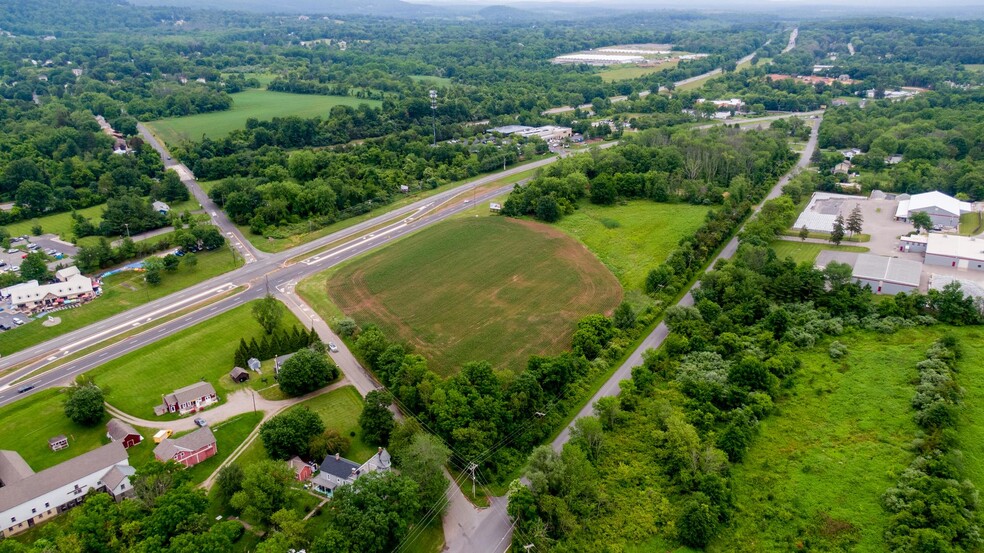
[[239, 375]]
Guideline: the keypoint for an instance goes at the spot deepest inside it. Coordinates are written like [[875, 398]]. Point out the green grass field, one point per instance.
[[634, 238], [340, 410], [436, 81], [120, 292], [808, 251], [489, 288], [824, 461], [61, 223], [259, 104], [971, 223], [136, 381], [633, 72], [971, 379], [976, 67]]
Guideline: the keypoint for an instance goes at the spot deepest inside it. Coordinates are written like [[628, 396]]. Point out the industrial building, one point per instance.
[[885, 275], [548, 132], [943, 210], [949, 250], [823, 209]]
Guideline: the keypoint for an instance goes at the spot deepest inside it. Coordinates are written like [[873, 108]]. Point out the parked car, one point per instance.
[[332, 347], [200, 422], [4, 326], [18, 321], [12, 250]]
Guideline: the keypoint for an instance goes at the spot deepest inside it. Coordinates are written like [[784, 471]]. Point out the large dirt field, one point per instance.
[[491, 289]]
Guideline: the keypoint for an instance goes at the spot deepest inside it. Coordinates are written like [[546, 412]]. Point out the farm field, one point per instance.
[[437, 81], [479, 289], [631, 239], [633, 71], [340, 410], [808, 251], [121, 291], [259, 104], [817, 471], [201, 352]]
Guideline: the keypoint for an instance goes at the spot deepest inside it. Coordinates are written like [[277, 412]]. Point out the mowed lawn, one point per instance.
[[120, 292], [808, 251], [61, 223], [817, 470], [339, 410], [135, 382], [631, 239], [491, 288], [258, 104]]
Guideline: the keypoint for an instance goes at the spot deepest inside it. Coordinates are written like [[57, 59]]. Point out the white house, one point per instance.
[[942, 209], [27, 497], [337, 471]]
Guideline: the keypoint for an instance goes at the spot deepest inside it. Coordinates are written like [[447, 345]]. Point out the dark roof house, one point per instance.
[[239, 374]]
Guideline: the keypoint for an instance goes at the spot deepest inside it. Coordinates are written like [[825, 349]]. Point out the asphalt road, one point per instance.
[[659, 334], [274, 269]]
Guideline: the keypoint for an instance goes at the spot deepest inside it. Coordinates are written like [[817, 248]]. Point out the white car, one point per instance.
[[332, 347], [18, 321]]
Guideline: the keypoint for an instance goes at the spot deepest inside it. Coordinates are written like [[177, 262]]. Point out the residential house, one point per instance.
[[943, 210], [190, 449], [119, 431], [302, 470], [28, 498], [58, 443], [338, 471], [842, 168], [189, 399], [161, 208], [239, 374]]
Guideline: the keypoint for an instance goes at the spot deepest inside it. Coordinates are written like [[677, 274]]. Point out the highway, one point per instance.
[[253, 276]]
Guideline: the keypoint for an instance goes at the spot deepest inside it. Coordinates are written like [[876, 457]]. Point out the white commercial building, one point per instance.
[[548, 132], [27, 498], [943, 210], [34, 297], [950, 250], [599, 59], [887, 275], [823, 209]]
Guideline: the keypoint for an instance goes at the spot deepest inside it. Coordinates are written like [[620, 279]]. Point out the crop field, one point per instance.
[[135, 382], [631, 239], [259, 104], [808, 251], [490, 288], [626, 73], [818, 469]]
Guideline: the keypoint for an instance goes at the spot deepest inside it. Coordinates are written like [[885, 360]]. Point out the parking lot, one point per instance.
[[48, 243]]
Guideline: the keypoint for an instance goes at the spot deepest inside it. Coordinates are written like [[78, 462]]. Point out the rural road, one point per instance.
[[275, 269], [659, 334], [792, 40]]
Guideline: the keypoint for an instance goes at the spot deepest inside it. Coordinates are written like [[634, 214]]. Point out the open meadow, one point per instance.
[[135, 382], [257, 104], [628, 72], [815, 475], [633, 238], [808, 251], [489, 288]]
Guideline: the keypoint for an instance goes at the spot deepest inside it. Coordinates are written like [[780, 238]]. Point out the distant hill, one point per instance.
[[390, 8]]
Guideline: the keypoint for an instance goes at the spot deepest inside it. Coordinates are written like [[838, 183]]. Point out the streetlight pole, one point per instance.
[[433, 97], [127, 225]]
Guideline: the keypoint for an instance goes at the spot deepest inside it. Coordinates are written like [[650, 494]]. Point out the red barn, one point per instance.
[[302, 470], [119, 431], [190, 449]]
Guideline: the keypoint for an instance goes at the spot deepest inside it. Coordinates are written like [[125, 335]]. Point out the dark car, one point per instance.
[[23, 389]]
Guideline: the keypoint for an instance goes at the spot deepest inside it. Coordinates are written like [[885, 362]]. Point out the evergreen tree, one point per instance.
[[804, 233], [254, 349], [837, 235], [855, 220]]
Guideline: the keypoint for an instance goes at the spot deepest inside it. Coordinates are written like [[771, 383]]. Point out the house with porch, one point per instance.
[[189, 399], [338, 471]]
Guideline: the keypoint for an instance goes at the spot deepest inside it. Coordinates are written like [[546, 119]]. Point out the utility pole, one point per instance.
[[473, 467], [433, 97], [127, 225]]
